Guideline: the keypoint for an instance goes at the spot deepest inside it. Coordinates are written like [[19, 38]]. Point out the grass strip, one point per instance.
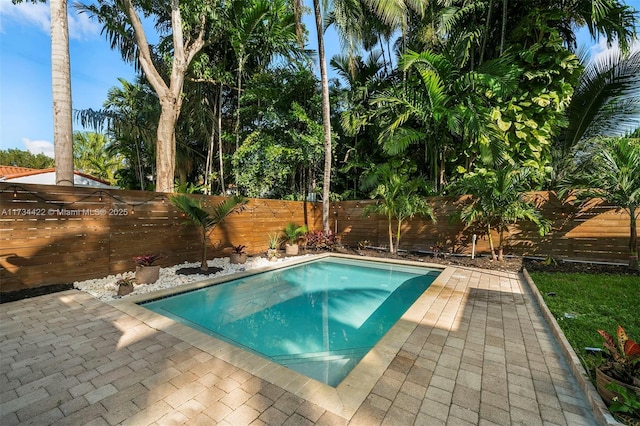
[[583, 303]]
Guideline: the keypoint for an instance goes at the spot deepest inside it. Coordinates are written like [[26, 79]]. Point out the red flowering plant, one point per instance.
[[146, 260]]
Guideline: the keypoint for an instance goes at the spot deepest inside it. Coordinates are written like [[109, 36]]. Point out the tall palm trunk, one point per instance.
[[61, 91], [326, 117]]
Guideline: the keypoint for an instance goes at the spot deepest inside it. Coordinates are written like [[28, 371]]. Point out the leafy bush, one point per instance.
[[320, 240]]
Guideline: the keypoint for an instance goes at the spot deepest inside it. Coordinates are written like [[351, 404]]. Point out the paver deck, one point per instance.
[[475, 349]]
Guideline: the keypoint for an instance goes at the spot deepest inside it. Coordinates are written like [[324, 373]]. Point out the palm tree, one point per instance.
[[605, 102], [326, 116], [61, 91], [61, 84], [91, 153], [497, 201], [259, 29], [442, 109], [399, 198], [246, 27], [391, 12], [611, 172], [207, 221], [130, 115]]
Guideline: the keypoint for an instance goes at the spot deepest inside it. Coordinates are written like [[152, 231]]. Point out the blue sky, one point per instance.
[[25, 71]]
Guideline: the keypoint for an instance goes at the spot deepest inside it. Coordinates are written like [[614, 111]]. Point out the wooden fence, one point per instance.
[[53, 235], [592, 232]]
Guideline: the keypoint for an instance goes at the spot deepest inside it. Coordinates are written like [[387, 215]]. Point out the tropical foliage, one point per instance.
[[497, 202], [19, 158], [399, 197], [228, 100], [93, 154], [609, 169]]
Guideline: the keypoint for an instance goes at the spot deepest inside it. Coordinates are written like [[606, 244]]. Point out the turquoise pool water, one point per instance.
[[319, 318]]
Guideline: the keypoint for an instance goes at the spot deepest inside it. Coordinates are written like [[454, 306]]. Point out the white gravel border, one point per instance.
[[106, 290]]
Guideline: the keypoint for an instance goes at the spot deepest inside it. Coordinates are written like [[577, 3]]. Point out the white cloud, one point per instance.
[[39, 147], [80, 26], [34, 14], [602, 50]]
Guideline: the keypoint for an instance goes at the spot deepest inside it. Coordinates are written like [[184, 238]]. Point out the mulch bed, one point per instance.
[[509, 264]]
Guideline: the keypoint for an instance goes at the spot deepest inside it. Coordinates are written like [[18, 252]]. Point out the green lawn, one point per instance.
[[597, 301]]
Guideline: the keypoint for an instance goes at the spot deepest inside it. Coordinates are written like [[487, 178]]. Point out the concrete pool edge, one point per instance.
[[343, 400]]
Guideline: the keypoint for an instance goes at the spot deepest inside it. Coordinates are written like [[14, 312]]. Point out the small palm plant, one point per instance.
[[497, 201], [399, 198], [612, 173], [207, 221], [293, 232]]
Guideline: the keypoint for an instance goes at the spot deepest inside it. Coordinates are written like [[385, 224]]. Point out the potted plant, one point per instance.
[[621, 368], [238, 255], [125, 286], [272, 251], [146, 271], [292, 234]]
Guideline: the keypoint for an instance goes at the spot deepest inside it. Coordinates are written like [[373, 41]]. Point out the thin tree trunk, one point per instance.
[[326, 117], [384, 57], [61, 85], [391, 250], [223, 189], [633, 240], [500, 244], [504, 26], [204, 266], [140, 171], [486, 33], [398, 235], [491, 247], [209, 165], [239, 82]]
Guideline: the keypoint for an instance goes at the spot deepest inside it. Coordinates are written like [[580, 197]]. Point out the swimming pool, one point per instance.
[[319, 318]]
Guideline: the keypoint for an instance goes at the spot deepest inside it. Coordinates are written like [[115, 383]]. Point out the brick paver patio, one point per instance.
[[479, 352]]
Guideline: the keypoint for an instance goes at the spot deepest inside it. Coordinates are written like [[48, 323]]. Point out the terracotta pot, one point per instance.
[[291, 249], [147, 274], [603, 380], [237, 258]]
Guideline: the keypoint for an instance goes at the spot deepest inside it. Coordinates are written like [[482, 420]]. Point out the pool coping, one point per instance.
[[343, 400]]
